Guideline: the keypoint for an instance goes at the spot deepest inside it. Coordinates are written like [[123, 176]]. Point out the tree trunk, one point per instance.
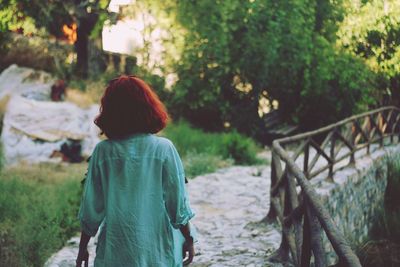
[[86, 22], [395, 90], [81, 48]]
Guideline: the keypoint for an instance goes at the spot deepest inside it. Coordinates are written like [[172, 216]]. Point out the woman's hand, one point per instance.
[[188, 251], [83, 256]]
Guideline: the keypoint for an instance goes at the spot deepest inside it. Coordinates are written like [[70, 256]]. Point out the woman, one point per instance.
[[135, 186]]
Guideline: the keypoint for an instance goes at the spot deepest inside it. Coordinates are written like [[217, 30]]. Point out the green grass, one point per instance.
[[199, 163], [38, 212], [204, 152]]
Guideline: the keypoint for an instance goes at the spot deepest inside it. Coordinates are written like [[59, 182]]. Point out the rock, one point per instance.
[[26, 82], [34, 127]]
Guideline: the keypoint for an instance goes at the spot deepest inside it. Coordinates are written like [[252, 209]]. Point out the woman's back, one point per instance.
[[135, 186]]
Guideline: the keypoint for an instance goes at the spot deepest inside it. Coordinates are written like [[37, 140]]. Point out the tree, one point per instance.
[[53, 15], [371, 31], [12, 18], [237, 53], [339, 85]]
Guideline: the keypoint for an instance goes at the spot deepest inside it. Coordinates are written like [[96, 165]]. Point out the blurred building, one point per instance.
[[135, 33]]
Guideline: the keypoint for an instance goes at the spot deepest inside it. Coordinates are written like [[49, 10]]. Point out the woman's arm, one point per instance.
[[176, 199], [92, 210], [188, 248], [83, 254], [185, 230]]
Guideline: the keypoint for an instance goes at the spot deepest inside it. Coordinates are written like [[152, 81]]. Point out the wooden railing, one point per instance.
[[318, 155]]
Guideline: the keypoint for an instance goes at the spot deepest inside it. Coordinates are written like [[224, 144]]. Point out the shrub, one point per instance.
[[229, 145], [188, 139], [37, 53], [241, 149]]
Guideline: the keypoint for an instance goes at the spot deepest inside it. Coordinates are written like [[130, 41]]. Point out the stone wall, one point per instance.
[[356, 196]]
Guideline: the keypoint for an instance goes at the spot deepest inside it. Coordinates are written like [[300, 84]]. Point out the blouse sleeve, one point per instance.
[[175, 195], [91, 212]]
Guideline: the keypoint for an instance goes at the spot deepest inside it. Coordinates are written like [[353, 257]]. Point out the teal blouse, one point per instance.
[[135, 190]]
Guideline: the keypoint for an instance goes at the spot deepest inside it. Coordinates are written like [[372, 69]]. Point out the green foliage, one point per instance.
[[372, 31], [35, 52], [241, 149], [339, 85], [212, 62], [2, 160], [190, 140], [78, 84], [37, 214], [201, 163], [237, 53], [204, 152], [101, 8], [12, 18], [54, 14]]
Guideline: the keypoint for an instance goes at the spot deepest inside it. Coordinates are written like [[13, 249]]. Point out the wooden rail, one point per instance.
[[295, 203]]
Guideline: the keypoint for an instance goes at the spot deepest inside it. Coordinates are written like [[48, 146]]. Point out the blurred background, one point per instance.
[[234, 74], [246, 64]]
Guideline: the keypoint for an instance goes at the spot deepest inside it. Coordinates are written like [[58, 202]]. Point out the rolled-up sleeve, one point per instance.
[[91, 212], [174, 192]]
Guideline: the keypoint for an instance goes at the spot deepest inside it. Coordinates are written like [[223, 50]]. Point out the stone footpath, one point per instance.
[[229, 205]]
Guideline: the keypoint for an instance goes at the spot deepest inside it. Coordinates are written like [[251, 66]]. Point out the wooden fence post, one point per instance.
[[306, 156], [332, 156], [271, 216], [353, 143], [316, 239]]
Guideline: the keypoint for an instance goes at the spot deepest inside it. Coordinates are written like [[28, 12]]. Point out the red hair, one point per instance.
[[130, 106]]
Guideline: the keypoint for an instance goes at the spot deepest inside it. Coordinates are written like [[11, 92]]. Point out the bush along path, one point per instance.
[[229, 206]]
